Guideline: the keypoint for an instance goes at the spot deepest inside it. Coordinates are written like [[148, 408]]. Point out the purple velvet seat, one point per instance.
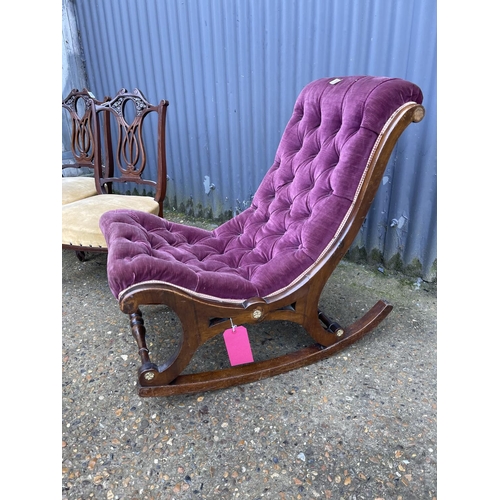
[[295, 214], [272, 261]]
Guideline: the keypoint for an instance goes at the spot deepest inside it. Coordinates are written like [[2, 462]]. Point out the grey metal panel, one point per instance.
[[232, 70], [73, 69]]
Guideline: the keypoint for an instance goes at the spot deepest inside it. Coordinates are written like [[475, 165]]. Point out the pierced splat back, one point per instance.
[[130, 158]]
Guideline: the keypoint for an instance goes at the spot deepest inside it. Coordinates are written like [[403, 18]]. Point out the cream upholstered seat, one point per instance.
[[80, 220], [130, 161], [77, 188]]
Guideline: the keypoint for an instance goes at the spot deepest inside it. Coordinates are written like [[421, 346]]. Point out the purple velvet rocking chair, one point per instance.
[[271, 261]]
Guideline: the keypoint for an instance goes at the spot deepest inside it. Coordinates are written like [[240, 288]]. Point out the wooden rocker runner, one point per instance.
[[271, 261]]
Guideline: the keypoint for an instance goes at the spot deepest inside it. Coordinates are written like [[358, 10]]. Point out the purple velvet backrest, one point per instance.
[[321, 157], [295, 214]]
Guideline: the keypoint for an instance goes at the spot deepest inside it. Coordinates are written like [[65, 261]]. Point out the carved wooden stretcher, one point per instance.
[[271, 261]]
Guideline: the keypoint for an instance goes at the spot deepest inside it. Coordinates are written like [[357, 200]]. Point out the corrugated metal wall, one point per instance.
[[232, 70], [73, 71]]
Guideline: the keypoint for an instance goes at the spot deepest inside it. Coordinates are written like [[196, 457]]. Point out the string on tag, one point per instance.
[[232, 324]]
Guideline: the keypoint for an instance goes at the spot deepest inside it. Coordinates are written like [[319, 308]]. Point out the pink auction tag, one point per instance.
[[238, 345]]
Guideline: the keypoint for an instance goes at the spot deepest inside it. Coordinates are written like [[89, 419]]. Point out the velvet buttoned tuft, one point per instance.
[[295, 213]]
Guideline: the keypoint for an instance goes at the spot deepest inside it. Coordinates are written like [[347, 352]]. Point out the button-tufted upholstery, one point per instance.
[[295, 214]]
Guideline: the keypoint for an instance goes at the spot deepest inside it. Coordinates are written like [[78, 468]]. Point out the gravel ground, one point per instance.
[[359, 425]]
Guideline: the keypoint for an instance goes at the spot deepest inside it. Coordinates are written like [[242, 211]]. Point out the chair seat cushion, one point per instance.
[[77, 188], [243, 258], [80, 220]]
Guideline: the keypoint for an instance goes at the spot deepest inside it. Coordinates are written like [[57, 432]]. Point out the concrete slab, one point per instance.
[[359, 425]]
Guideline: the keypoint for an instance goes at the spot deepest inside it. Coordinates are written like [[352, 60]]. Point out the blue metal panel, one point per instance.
[[232, 70]]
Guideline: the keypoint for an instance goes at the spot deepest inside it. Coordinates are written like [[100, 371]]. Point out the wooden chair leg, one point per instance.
[[80, 256]]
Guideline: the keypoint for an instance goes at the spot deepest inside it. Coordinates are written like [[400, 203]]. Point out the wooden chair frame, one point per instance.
[[203, 317], [124, 152], [126, 159], [85, 140]]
